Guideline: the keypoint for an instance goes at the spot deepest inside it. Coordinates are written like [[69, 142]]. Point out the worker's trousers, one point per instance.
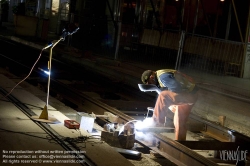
[[180, 104]]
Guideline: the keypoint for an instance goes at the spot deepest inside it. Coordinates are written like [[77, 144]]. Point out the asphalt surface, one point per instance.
[[219, 95]]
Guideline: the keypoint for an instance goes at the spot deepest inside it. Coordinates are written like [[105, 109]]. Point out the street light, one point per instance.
[[71, 29]]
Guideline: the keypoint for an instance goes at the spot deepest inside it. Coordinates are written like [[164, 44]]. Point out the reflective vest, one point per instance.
[[175, 81]]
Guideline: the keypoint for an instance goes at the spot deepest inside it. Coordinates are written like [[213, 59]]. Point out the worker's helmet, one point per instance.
[[145, 76]]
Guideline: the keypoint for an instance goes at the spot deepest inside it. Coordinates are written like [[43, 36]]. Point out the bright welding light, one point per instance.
[[145, 123], [148, 121], [46, 72], [139, 125], [139, 134], [122, 128]]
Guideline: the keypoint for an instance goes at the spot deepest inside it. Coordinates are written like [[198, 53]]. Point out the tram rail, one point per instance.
[[181, 153]]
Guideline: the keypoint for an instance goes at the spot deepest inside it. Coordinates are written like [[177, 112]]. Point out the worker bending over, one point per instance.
[[179, 94]]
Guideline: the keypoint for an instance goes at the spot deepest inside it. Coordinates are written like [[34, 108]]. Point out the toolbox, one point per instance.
[[71, 124]]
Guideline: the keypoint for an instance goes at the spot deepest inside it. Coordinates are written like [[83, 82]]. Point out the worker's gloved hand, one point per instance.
[[173, 108]]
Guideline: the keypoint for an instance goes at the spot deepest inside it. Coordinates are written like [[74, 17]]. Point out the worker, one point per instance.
[[178, 94]]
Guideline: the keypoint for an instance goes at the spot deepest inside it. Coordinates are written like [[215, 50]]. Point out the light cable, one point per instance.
[[30, 70]]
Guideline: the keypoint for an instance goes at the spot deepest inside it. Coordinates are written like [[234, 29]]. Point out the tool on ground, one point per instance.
[[71, 124]]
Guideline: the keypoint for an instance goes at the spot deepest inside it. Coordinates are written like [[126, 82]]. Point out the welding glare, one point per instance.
[[139, 125], [147, 122], [46, 72]]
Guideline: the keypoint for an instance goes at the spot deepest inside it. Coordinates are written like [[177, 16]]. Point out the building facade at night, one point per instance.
[[208, 35]]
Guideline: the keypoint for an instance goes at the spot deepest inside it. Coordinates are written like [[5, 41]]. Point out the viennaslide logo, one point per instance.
[[233, 155]]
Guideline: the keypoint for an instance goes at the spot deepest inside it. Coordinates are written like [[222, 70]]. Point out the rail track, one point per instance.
[[78, 87]]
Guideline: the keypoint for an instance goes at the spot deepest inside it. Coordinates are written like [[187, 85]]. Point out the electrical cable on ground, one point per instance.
[[29, 72]]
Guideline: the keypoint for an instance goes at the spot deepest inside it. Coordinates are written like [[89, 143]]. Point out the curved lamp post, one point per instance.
[[44, 115]]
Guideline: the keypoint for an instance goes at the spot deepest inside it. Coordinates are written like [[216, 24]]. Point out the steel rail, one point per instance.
[[173, 146], [179, 153], [99, 108]]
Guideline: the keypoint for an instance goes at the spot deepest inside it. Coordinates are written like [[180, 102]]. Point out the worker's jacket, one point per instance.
[[175, 81]]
